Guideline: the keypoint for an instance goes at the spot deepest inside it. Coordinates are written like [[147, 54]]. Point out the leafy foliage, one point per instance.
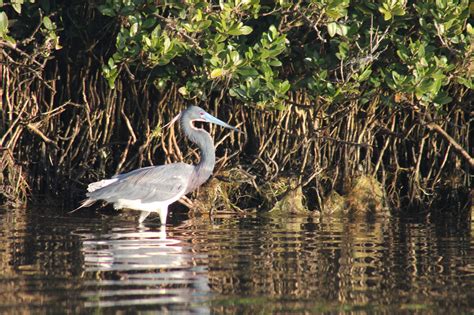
[[259, 51], [334, 49]]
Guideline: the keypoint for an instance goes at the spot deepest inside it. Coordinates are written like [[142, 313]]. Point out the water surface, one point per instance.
[[57, 263]]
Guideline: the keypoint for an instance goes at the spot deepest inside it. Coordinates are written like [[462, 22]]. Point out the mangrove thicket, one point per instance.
[[328, 92]]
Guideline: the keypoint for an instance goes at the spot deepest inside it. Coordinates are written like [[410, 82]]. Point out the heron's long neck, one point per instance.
[[208, 156]]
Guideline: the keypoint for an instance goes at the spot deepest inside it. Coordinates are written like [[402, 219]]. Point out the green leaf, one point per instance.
[[205, 25], [442, 98], [235, 57], [166, 43], [245, 30], [16, 4], [343, 50], [425, 85], [48, 24], [106, 11], [272, 29], [398, 11], [279, 106], [284, 87], [342, 29], [214, 61], [147, 41], [111, 63], [216, 73], [247, 71], [148, 23], [466, 82], [183, 91], [134, 29], [3, 24], [239, 30], [188, 27], [387, 15], [237, 92], [375, 81], [364, 75], [399, 79], [470, 29], [110, 75], [275, 63], [403, 54], [442, 4], [332, 29]]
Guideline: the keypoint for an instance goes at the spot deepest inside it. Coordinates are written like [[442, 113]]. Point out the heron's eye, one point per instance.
[[201, 113]]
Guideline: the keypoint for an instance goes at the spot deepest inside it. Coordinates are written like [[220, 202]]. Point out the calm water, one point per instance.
[[87, 263]]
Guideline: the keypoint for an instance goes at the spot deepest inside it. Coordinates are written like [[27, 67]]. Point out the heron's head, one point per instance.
[[194, 114]]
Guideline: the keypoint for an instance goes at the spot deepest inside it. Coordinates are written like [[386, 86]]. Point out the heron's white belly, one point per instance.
[[137, 204]]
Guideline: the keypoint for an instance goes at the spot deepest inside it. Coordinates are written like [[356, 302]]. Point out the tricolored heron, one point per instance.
[[154, 188]]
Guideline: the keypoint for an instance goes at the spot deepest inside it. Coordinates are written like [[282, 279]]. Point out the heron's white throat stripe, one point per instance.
[[194, 127]]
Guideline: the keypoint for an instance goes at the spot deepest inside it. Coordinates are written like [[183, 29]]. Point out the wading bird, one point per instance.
[[154, 188]]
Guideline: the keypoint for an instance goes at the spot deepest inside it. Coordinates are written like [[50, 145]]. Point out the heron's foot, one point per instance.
[[143, 216]]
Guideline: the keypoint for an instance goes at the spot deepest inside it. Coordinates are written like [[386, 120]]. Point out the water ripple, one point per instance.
[[255, 265]]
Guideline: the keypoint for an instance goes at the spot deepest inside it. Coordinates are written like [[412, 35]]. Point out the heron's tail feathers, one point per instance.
[[85, 203], [100, 184]]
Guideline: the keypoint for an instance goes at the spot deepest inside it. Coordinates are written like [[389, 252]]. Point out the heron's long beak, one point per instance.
[[211, 119]]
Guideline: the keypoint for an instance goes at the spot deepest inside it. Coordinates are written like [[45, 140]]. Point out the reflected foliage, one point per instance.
[[235, 265]]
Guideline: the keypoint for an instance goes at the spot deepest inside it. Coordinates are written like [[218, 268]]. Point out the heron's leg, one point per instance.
[[143, 216], [163, 215], [162, 233]]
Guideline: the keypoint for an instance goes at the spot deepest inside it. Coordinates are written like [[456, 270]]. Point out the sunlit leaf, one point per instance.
[[3, 24], [342, 29], [183, 91], [245, 30], [275, 63], [332, 29], [470, 29], [47, 23], [16, 4], [166, 43], [216, 73], [134, 29], [242, 30]]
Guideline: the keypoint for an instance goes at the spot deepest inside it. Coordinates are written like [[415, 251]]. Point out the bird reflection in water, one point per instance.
[[141, 266]]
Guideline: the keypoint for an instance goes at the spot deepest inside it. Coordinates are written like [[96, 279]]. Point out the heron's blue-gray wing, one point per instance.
[[148, 184]]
